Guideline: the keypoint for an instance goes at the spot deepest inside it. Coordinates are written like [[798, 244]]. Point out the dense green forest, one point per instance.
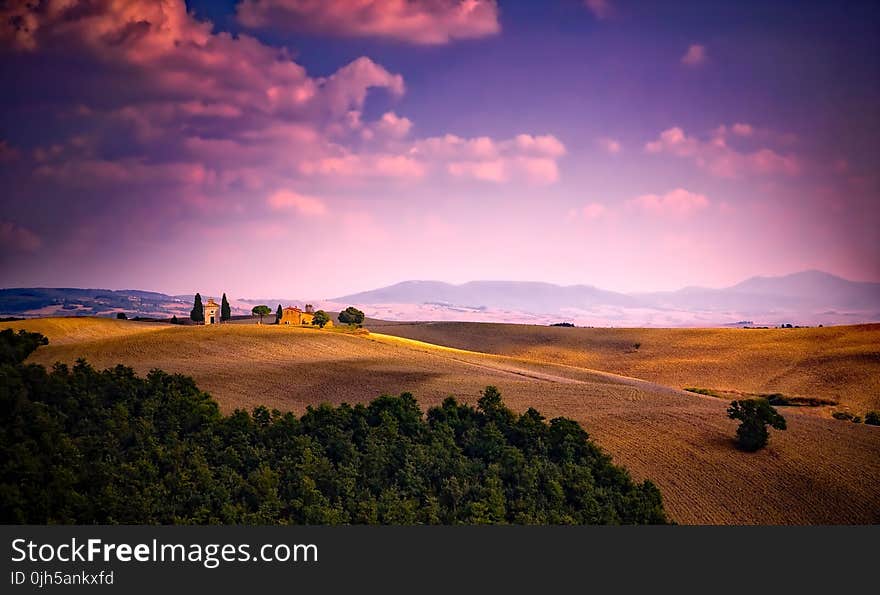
[[83, 446]]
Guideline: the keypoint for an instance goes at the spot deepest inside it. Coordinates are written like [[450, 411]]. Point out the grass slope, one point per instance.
[[819, 471], [840, 364]]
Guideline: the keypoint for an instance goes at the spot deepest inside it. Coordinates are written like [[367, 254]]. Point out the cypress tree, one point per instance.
[[225, 310], [278, 313], [197, 314]]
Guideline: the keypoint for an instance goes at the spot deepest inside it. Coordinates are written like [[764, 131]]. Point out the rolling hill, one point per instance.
[[839, 364], [818, 471]]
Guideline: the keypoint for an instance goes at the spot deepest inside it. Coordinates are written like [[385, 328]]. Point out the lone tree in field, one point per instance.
[[351, 315], [278, 314], [261, 311], [197, 314], [121, 316], [755, 415], [225, 310], [320, 319]]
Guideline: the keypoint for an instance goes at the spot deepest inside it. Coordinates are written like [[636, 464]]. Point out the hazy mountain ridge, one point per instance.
[[806, 287], [808, 297], [528, 296]]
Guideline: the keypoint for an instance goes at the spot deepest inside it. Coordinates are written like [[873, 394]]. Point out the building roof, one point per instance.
[[294, 308], [211, 303]]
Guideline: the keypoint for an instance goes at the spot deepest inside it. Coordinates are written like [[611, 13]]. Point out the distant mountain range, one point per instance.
[[806, 290], [809, 297], [516, 295]]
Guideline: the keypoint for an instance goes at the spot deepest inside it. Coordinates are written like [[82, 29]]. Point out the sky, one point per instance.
[[306, 148]]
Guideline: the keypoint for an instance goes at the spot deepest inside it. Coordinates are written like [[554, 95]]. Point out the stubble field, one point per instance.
[[839, 364], [818, 471]]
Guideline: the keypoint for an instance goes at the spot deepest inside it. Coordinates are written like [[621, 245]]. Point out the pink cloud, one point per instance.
[[525, 157], [695, 55], [365, 166], [451, 146], [287, 200], [601, 9], [719, 158], [347, 87], [392, 125], [494, 170], [766, 161], [397, 166], [426, 22], [741, 129], [15, 238], [534, 170], [546, 145], [678, 202], [610, 145]]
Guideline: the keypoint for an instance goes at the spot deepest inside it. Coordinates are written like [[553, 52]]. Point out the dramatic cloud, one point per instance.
[[718, 157], [427, 22], [695, 55], [287, 200], [137, 137], [208, 116], [678, 202], [174, 63], [347, 88], [601, 9], [610, 145]]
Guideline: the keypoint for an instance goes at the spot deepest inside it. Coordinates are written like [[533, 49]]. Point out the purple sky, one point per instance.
[[305, 148]]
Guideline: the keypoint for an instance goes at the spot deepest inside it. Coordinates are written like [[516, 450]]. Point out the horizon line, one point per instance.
[[628, 293]]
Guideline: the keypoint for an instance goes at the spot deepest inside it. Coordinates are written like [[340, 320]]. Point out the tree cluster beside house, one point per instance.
[[291, 315]]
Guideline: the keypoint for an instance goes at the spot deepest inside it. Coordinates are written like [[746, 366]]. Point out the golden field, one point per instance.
[[840, 363], [818, 471]]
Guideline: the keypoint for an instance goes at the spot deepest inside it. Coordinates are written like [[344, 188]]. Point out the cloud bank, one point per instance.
[[720, 157], [423, 22]]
